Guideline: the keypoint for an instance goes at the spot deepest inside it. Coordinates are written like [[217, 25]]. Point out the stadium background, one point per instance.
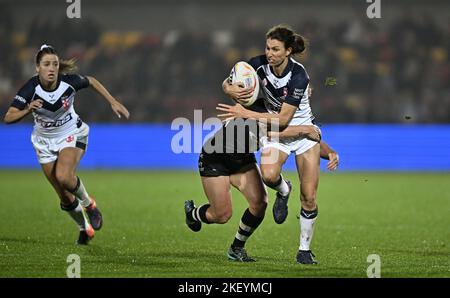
[[163, 59], [389, 110]]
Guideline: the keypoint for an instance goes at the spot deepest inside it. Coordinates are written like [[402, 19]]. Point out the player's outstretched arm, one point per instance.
[[14, 114], [116, 106], [311, 132], [282, 119], [329, 154]]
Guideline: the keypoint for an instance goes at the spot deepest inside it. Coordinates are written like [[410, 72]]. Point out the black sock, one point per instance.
[[247, 226], [199, 214], [274, 185], [281, 186], [309, 214], [70, 207]]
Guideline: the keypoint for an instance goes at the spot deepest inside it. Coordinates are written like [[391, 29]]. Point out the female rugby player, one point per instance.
[[284, 83], [59, 136]]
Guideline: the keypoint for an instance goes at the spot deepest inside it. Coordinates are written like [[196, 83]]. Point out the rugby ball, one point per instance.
[[244, 73]]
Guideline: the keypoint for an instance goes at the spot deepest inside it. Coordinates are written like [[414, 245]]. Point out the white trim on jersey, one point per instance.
[[53, 96], [274, 80]]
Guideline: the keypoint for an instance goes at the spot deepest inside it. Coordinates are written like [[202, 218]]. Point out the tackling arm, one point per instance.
[[326, 152], [282, 119]]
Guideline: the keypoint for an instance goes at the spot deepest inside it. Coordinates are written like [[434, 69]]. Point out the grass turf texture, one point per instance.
[[403, 217]]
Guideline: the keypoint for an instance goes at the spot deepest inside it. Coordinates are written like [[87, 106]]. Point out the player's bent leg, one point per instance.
[[250, 184], [219, 209], [70, 205], [271, 174], [65, 197], [218, 192], [66, 166], [308, 167]]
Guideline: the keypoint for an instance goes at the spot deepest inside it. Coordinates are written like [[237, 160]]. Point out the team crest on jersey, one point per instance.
[[285, 91], [69, 139], [65, 103]]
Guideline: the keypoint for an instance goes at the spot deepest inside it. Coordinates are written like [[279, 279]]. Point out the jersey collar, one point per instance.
[[286, 70], [48, 90]]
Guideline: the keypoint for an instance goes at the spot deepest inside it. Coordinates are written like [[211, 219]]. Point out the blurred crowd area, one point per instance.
[[361, 71]]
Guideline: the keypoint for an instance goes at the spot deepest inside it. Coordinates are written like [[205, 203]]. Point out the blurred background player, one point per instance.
[[285, 84], [59, 136]]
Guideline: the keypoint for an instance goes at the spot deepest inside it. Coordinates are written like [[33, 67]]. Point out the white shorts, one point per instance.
[[47, 149], [299, 146]]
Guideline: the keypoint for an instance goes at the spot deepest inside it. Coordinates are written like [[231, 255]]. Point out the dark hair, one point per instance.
[[288, 37], [65, 66]]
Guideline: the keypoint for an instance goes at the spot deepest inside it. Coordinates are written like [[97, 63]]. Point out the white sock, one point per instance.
[[283, 187], [307, 220], [82, 194], [77, 214]]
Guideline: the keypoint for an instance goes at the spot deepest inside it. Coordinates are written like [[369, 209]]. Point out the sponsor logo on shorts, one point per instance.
[[70, 139]]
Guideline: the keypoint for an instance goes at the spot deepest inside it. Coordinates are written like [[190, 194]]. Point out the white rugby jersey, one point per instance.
[[57, 117], [291, 88]]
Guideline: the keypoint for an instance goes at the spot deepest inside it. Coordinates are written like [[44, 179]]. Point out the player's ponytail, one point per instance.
[[68, 66], [65, 66], [299, 44], [286, 35]]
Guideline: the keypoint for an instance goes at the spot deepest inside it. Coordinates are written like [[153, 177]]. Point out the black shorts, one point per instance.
[[224, 164]]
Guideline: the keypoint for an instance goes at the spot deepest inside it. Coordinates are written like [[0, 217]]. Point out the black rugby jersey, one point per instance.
[[239, 135], [236, 136]]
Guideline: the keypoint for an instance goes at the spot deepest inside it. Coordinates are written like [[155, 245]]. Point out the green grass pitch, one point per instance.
[[402, 217]]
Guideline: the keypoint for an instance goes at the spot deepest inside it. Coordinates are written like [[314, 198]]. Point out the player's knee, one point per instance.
[[308, 200], [263, 204], [259, 209], [223, 216], [65, 179], [270, 175]]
